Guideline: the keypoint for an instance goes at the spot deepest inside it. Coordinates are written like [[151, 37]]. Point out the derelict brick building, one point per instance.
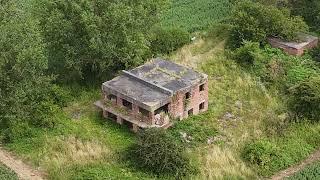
[[154, 94]]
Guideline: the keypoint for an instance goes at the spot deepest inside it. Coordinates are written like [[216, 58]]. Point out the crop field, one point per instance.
[[194, 15], [7, 174], [311, 172]]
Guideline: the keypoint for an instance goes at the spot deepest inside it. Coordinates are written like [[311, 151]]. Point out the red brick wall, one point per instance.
[[293, 51], [179, 107]]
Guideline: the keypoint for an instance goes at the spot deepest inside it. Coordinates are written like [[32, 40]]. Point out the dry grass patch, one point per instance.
[[221, 163], [61, 151]]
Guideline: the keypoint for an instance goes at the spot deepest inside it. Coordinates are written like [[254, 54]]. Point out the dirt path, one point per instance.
[[21, 169], [292, 170]]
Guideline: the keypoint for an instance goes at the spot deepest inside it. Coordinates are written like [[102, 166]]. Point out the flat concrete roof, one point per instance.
[[305, 39], [153, 84], [169, 75]]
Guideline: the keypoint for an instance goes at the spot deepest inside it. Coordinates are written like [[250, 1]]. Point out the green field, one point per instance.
[[194, 15], [7, 174], [309, 173]]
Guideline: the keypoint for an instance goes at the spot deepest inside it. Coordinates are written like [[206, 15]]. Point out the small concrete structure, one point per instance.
[[154, 94], [295, 48]]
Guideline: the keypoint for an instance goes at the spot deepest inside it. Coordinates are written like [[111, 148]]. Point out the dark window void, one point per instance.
[[201, 87], [112, 97], [112, 116], [143, 111], [201, 106], [127, 124], [126, 104], [164, 109], [188, 95], [190, 112]]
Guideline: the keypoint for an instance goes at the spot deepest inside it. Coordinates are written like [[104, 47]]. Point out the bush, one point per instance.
[[309, 10], [276, 153], [157, 152], [166, 40], [256, 22], [315, 53], [247, 53], [305, 98], [261, 153]]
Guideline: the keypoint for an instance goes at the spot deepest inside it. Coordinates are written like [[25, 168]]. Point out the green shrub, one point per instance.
[[247, 54], [309, 10], [166, 40], [315, 53], [256, 22], [261, 153], [305, 98], [157, 152]]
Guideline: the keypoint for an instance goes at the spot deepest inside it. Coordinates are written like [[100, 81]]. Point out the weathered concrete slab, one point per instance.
[[295, 48]]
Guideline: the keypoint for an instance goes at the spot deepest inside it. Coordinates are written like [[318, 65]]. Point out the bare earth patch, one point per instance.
[[294, 169], [23, 170]]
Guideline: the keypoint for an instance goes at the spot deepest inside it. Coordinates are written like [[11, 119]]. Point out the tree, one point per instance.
[[256, 22], [309, 10], [23, 85], [91, 39]]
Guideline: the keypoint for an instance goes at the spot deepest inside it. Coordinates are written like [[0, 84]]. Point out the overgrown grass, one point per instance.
[[241, 110], [7, 174], [309, 173], [83, 145], [272, 154], [194, 15]]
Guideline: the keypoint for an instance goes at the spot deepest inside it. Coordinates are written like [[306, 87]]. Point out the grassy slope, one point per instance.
[[89, 147], [81, 146], [6, 174], [194, 15]]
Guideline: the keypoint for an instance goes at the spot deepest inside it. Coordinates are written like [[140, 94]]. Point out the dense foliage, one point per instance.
[[306, 98], [91, 39], [309, 10], [157, 152], [24, 88], [315, 53], [166, 40], [256, 22], [262, 153], [270, 155]]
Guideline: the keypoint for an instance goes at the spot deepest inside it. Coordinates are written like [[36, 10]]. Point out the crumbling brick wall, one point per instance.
[[180, 105]]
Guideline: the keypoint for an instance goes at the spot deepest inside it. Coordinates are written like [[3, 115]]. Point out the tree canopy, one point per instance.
[[23, 83], [256, 22], [93, 38]]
